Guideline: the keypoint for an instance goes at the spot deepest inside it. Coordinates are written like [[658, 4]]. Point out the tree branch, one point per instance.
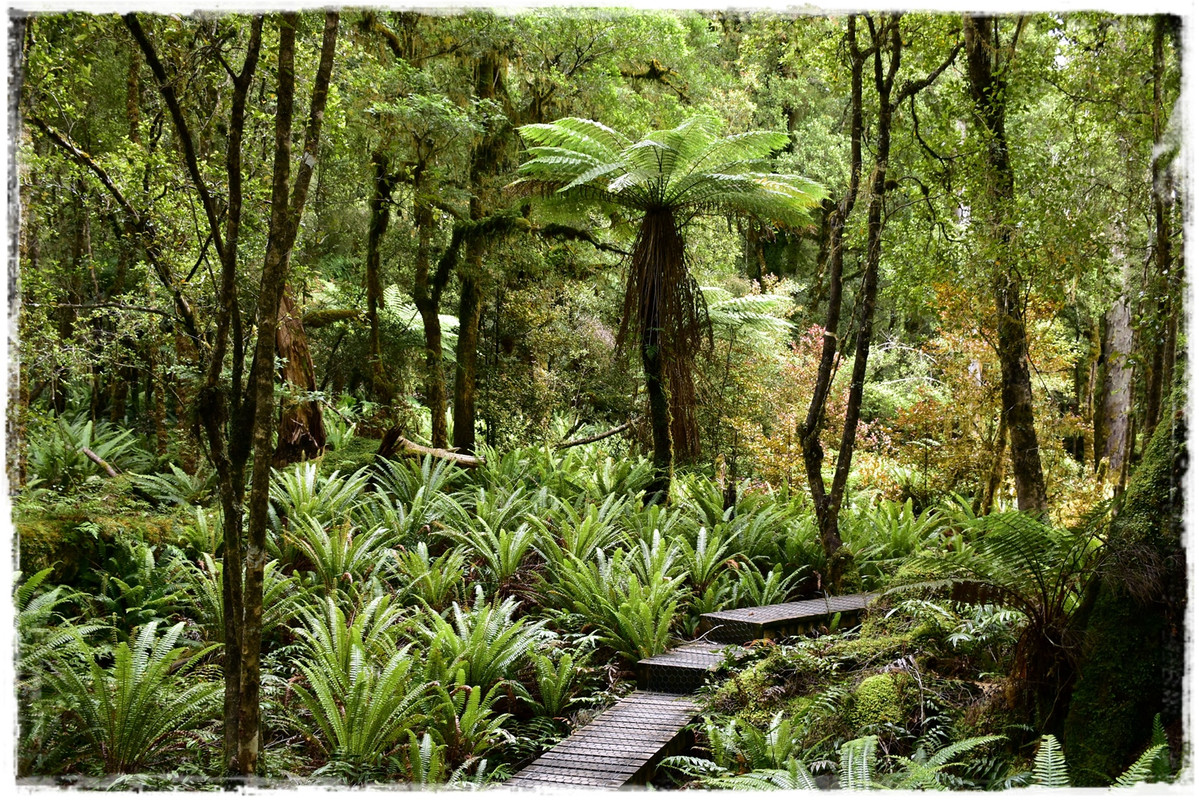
[[911, 87], [570, 233], [120, 306], [181, 128], [140, 225]]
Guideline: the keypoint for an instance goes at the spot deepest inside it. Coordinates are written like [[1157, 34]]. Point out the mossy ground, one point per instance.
[[897, 676], [68, 533]]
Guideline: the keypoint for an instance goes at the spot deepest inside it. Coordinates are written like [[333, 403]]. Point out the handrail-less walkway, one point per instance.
[[622, 745]]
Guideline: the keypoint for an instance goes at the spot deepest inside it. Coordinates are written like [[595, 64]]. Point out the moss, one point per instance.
[[354, 454], [775, 682], [1131, 667], [71, 537], [879, 699], [871, 651]]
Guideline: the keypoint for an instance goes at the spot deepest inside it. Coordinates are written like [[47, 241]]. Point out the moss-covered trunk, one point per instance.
[[1132, 661]]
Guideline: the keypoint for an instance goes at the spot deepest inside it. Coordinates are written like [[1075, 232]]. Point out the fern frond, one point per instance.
[[1049, 766]]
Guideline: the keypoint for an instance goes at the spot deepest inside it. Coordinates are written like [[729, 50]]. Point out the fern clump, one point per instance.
[[129, 716]]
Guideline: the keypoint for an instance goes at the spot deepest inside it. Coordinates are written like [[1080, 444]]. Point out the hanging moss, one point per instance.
[[1131, 667]]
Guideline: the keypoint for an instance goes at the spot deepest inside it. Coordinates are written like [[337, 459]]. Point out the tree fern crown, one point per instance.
[[687, 170]]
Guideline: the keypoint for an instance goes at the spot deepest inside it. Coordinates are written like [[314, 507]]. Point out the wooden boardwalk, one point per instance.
[[622, 745], [784, 619], [617, 748]]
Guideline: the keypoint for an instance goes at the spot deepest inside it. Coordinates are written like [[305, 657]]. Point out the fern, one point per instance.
[[363, 708], [1049, 766], [857, 764], [1143, 769], [486, 643], [929, 772], [133, 712], [178, 488], [792, 777]]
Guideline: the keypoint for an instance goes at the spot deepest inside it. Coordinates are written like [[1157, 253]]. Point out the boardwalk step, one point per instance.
[[784, 619], [618, 747], [683, 669], [622, 745]]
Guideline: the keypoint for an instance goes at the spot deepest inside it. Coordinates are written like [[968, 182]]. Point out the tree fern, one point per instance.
[[666, 179]]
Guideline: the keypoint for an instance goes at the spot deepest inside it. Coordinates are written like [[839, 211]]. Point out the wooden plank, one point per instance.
[[615, 747], [621, 744], [780, 619], [803, 609]]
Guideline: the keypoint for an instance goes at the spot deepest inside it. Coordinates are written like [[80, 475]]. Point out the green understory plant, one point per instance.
[[1051, 772], [337, 555], [486, 642], [465, 720], [177, 488], [633, 617], [364, 708], [130, 715]]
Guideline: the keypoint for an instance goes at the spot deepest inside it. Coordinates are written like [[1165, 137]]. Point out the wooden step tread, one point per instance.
[[616, 747], [742, 624]]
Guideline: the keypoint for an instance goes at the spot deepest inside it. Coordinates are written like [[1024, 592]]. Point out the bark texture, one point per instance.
[[301, 425], [987, 62]]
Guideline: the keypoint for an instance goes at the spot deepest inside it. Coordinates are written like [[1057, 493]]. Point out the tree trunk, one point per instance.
[[886, 38], [995, 473], [286, 209], [426, 296], [301, 426], [987, 61], [470, 311], [488, 159], [1159, 286], [1112, 413], [383, 185], [659, 419], [835, 221], [658, 241], [838, 560]]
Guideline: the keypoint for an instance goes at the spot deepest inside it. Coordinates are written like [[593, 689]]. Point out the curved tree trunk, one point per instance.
[[834, 223]]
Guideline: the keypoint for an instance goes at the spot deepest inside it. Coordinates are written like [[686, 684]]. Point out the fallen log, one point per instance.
[[589, 439], [393, 444], [104, 465]]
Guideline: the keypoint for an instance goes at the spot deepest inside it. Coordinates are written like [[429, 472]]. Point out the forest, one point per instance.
[[391, 391]]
